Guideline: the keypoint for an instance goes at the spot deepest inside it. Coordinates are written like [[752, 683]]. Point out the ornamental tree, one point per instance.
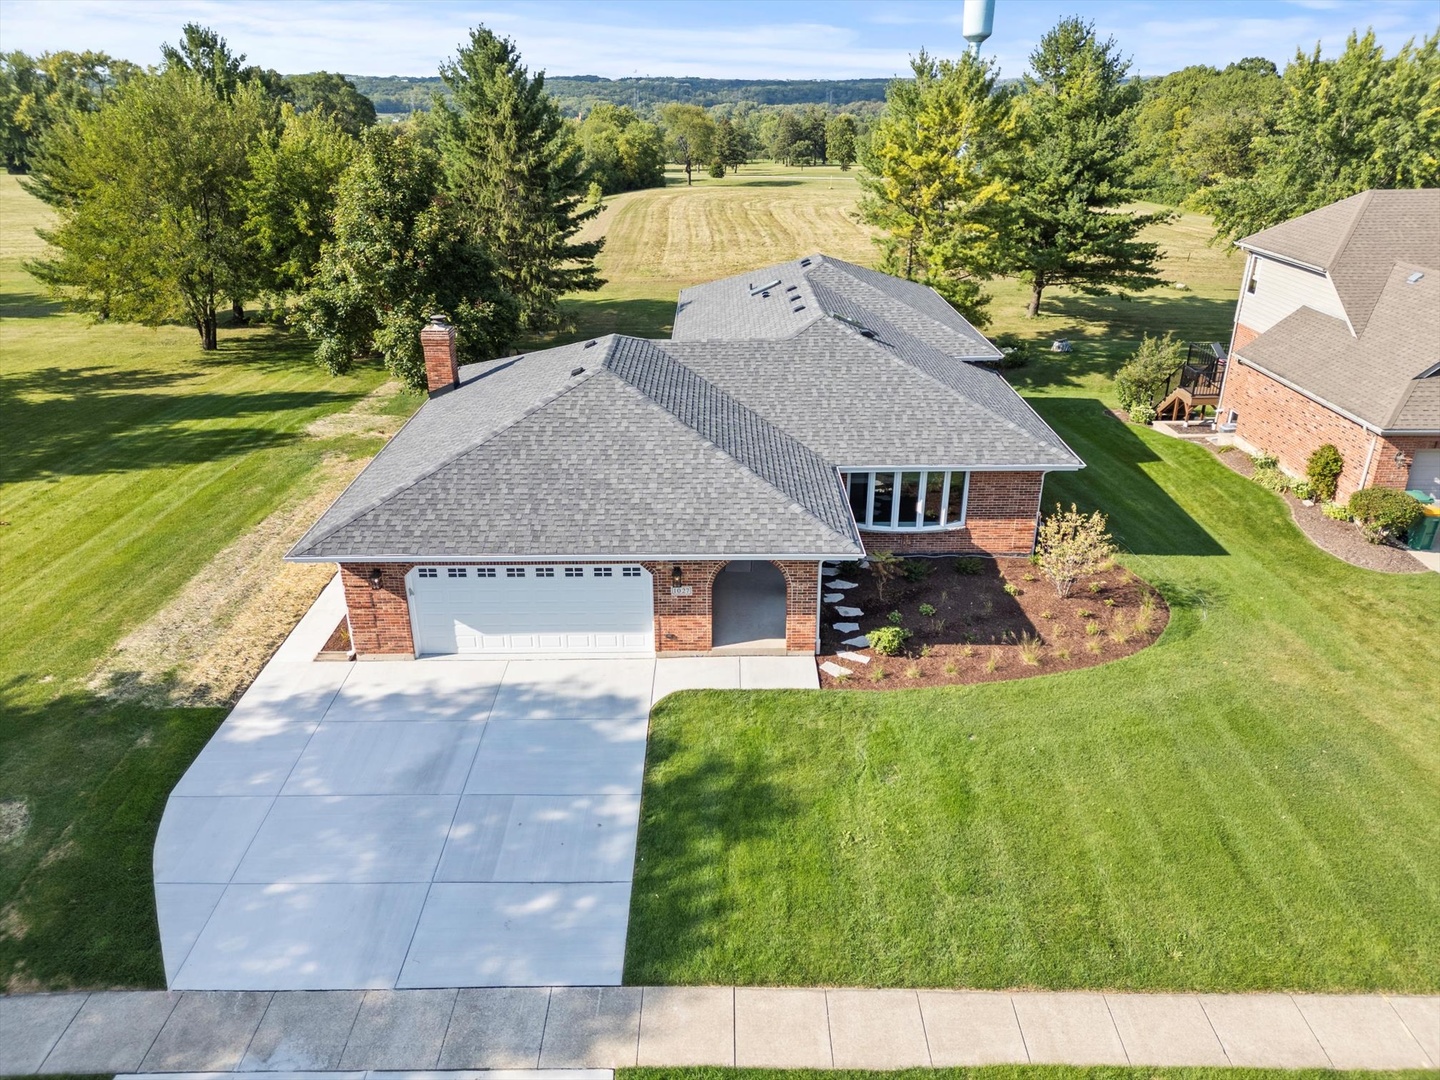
[[1071, 545]]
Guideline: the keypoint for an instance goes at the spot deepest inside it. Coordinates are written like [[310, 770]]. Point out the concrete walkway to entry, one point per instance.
[[611, 1027], [430, 823]]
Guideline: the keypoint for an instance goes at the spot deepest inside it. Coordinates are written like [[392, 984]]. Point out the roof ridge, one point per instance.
[[1365, 198], [380, 500]]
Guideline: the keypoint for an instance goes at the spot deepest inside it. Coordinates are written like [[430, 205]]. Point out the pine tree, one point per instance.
[[514, 168], [933, 182], [1073, 171]]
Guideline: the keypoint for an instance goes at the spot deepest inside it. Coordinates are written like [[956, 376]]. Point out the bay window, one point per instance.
[[907, 499]]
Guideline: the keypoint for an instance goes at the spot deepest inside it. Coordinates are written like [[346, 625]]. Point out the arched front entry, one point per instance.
[[748, 608]]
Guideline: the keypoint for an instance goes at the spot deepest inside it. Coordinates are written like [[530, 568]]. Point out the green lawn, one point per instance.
[[129, 459], [1249, 804]]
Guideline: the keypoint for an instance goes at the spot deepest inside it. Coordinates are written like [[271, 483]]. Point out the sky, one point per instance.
[[752, 39]]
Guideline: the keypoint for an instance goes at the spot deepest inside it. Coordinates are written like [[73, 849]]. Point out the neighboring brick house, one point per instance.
[[1337, 340], [625, 495]]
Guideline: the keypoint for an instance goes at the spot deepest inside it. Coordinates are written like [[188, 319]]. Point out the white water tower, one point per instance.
[[978, 21]]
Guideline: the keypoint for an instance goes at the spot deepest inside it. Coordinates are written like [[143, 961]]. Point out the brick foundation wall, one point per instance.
[[999, 520], [379, 618]]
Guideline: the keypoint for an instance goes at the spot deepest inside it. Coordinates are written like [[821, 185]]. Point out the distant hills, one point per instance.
[[576, 93]]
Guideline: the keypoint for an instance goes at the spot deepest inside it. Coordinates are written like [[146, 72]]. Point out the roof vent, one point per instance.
[[577, 371], [1414, 279], [798, 307], [804, 262], [764, 290], [589, 343], [791, 288]]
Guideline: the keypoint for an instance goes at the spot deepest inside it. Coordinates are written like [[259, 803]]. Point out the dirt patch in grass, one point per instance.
[[1339, 538], [1002, 620], [368, 417], [14, 819], [207, 645]]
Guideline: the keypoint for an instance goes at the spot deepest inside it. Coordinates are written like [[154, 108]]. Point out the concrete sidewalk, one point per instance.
[[612, 1027]]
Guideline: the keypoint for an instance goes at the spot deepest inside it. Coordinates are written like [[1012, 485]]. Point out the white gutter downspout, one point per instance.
[[1369, 455], [819, 605]]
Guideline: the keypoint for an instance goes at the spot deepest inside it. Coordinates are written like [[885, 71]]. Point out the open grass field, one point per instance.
[[129, 459]]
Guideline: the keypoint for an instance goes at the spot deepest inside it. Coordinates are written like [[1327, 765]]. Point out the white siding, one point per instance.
[[1281, 289]]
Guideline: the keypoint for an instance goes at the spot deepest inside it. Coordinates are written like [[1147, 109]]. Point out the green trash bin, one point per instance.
[[1424, 533]]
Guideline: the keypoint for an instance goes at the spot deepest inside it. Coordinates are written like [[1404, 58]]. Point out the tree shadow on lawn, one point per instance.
[[598, 316], [1104, 331], [699, 804], [77, 885], [1143, 518], [95, 419], [29, 304]]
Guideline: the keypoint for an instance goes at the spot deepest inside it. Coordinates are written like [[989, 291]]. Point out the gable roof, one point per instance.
[[699, 446], [1377, 376], [1357, 240]]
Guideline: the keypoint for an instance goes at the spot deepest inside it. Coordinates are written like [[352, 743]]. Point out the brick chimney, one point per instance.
[[437, 340]]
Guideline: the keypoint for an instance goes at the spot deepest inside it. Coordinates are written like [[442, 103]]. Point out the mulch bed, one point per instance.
[[981, 633], [338, 643], [1339, 538]]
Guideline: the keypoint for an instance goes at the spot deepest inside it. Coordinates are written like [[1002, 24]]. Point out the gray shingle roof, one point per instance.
[[1357, 240], [724, 441], [1374, 376]]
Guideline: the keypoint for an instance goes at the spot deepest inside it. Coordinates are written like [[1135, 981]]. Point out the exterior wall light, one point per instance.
[[1400, 459], [676, 577], [376, 577]]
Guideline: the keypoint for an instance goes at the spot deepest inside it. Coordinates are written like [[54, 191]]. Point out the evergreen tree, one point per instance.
[[932, 180], [515, 169], [1073, 171], [207, 54], [150, 198], [402, 251], [1345, 125]]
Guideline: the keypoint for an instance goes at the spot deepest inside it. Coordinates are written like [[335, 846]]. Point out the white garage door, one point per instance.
[[1425, 473], [531, 609]]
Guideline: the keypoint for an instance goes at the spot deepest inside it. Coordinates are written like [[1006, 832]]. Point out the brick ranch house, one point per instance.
[[1337, 340], [633, 496]]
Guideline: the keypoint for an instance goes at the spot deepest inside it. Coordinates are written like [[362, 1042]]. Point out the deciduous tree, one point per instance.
[[841, 140], [514, 167], [150, 198], [402, 251], [689, 136], [37, 93], [1074, 171], [334, 96]]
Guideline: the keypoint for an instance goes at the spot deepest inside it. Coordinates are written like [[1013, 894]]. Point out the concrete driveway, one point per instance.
[[434, 823]]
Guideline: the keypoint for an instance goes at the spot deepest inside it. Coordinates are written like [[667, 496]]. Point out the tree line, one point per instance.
[[206, 184], [970, 178]]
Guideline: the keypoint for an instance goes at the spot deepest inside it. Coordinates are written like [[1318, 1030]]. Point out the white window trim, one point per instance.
[[924, 473]]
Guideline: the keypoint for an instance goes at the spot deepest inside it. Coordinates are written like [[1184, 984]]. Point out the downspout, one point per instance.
[[1039, 512], [1369, 456], [819, 605]]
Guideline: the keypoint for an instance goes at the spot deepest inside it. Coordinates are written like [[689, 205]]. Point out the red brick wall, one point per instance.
[[683, 623], [379, 618], [442, 369], [1242, 336], [1385, 471], [999, 520]]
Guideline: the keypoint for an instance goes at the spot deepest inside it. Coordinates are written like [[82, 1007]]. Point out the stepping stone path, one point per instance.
[[832, 597], [829, 571], [848, 612], [836, 583], [847, 627], [859, 658], [835, 669], [861, 642]]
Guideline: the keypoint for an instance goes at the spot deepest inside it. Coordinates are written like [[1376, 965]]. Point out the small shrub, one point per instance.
[[877, 673], [927, 610], [1266, 461], [1017, 351], [1029, 577], [1047, 614], [916, 570], [1085, 613], [850, 566], [1143, 414], [895, 618], [1092, 629], [1095, 587], [1143, 620], [1384, 514], [1071, 545], [717, 170], [889, 640], [969, 566], [1012, 588], [993, 664], [1095, 645], [1141, 379], [968, 651], [951, 668], [1119, 632], [1335, 511], [1109, 601], [1030, 649], [938, 625], [1270, 478], [912, 671], [1063, 654], [1323, 469], [1226, 449], [886, 566], [594, 194], [1300, 489], [926, 650]]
